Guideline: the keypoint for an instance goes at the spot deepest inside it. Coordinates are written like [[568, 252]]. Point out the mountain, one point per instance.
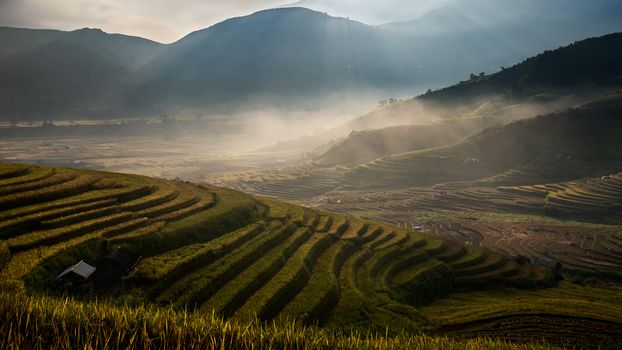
[[524, 27], [45, 73], [557, 79], [564, 145], [552, 79], [288, 58], [276, 54], [298, 57], [128, 51], [591, 63], [367, 145]]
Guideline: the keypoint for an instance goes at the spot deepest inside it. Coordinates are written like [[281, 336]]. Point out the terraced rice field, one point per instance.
[[292, 184], [533, 220], [594, 197], [401, 171], [598, 249], [45, 212], [210, 249], [511, 315]]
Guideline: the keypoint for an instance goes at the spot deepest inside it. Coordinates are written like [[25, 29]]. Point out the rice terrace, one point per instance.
[[315, 175]]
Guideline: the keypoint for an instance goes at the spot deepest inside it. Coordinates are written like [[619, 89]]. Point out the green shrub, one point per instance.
[[426, 285]]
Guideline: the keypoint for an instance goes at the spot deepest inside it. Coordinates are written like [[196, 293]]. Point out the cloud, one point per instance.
[[168, 21], [164, 21]]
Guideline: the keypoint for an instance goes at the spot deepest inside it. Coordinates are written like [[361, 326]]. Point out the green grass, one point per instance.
[[49, 181], [10, 170], [321, 292], [194, 287], [245, 285], [73, 200], [286, 284], [471, 258], [128, 237], [157, 267], [233, 210], [82, 216], [25, 262], [492, 262], [33, 175], [41, 238], [58, 190], [156, 198], [28, 222]]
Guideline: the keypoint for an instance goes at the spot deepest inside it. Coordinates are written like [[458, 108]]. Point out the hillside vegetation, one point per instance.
[[554, 79], [591, 63], [564, 145], [82, 72]]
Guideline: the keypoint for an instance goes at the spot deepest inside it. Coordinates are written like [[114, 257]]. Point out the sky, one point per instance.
[[168, 21]]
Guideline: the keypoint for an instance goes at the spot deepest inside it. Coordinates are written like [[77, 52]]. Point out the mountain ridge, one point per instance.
[[286, 58]]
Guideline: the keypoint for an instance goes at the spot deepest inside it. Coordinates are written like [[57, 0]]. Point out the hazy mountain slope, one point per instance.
[[83, 72], [14, 41], [127, 51], [278, 55], [553, 78], [366, 145], [522, 27], [284, 58], [290, 56], [570, 144], [59, 77], [588, 63]]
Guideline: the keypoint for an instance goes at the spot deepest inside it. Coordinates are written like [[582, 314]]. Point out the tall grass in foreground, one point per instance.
[[49, 323]]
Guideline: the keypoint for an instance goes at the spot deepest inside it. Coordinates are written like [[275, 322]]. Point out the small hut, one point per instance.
[[77, 273], [116, 266]]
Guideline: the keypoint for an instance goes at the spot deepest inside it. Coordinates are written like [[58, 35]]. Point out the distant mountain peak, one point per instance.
[[88, 29], [269, 16]]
